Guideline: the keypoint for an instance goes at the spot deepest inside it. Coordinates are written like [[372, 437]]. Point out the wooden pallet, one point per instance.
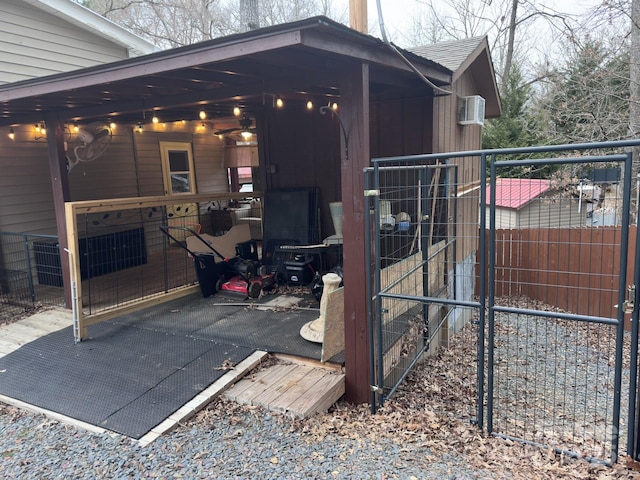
[[295, 388], [19, 333]]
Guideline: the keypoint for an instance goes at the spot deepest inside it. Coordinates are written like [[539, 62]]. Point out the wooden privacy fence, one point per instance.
[[574, 269]]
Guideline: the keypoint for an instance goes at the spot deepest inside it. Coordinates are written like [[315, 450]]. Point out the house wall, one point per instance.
[[35, 43], [130, 167], [300, 151], [562, 212], [26, 202], [541, 214], [505, 218], [449, 136], [410, 131]]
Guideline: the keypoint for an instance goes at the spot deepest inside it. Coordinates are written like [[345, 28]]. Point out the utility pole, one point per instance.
[[358, 15]]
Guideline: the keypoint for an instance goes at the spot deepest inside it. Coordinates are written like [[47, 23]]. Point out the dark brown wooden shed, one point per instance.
[[385, 109]]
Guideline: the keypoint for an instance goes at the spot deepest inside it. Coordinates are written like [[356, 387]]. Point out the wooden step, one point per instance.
[[292, 388]]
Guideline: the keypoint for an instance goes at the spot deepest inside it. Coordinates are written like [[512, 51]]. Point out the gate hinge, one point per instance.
[[377, 389], [629, 303], [372, 193]]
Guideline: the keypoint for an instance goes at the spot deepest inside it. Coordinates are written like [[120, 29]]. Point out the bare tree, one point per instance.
[[173, 23]]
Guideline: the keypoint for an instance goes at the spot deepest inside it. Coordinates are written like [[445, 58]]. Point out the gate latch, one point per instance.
[[629, 305]]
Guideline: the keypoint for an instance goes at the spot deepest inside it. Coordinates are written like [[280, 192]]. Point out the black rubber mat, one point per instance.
[[134, 371], [124, 378], [234, 321]]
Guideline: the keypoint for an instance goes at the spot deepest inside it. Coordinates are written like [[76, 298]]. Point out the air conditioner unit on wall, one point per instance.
[[471, 110]]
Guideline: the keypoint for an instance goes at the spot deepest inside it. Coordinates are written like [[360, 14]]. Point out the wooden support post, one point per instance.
[[60, 188], [354, 112]]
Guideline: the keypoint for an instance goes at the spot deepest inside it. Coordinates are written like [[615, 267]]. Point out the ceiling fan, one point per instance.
[[246, 129]]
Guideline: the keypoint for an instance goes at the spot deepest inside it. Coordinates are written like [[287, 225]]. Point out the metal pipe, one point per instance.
[[633, 427], [492, 293], [622, 281], [512, 151], [368, 290], [377, 283], [482, 293]]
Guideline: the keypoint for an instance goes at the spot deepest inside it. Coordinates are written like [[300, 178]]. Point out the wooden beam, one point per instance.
[[60, 188], [354, 108]]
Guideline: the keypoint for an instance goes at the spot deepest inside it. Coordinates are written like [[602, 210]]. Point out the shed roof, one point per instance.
[[299, 59], [89, 20], [515, 193], [461, 55]]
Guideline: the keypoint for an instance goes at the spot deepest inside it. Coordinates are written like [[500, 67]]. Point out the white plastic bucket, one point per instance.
[[336, 215]]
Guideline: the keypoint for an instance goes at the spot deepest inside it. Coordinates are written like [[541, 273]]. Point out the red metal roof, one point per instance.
[[517, 192]]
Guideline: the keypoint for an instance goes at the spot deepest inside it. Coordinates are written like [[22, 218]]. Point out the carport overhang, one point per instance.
[[315, 58], [297, 59]]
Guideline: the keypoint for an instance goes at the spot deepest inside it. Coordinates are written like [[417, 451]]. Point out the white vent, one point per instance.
[[471, 110]]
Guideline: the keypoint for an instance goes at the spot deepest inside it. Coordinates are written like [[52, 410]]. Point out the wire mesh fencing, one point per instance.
[[423, 230], [527, 269], [558, 243], [30, 274]]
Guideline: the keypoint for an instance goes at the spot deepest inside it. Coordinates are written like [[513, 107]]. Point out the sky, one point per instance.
[[397, 14]]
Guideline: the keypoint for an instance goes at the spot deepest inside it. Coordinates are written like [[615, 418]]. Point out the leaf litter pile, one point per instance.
[[430, 419]]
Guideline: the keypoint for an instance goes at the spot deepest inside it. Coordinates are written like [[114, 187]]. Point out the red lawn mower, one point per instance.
[[241, 274]]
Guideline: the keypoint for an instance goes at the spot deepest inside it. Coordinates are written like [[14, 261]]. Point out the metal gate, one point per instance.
[[526, 261]]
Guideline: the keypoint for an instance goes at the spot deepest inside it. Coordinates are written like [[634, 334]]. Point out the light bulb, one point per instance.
[[155, 119], [236, 111], [203, 115], [112, 125], [246, 134], [309, 105], [139, 128], [334, 106], [76, 128], [279, 103], [12, 134]]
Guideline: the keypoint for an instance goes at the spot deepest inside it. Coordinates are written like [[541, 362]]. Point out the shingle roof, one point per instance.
[[450, 54], [517, 192]]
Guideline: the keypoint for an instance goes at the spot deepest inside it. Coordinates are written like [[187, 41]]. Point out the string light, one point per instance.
[[12, 135], [203, 115], [37, 128], [76, 128], [309, 105], [279, 103], [112, 125], [139, 128], [43, 129], [237, 111], [155, 119], [334, 106]]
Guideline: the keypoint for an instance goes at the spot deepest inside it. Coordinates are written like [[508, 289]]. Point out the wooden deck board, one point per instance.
[[325, 393], [248, 388], [294, 388], [288, 382], [17, 334], [285, 399]]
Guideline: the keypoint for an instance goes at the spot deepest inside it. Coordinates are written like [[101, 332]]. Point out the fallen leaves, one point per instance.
[[429, 419]]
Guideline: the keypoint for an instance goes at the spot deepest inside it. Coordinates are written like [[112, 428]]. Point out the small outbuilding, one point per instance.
[[161, 134]]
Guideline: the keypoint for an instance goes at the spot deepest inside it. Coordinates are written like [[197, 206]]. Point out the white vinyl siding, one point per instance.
[[34, 43], [541, 214]]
